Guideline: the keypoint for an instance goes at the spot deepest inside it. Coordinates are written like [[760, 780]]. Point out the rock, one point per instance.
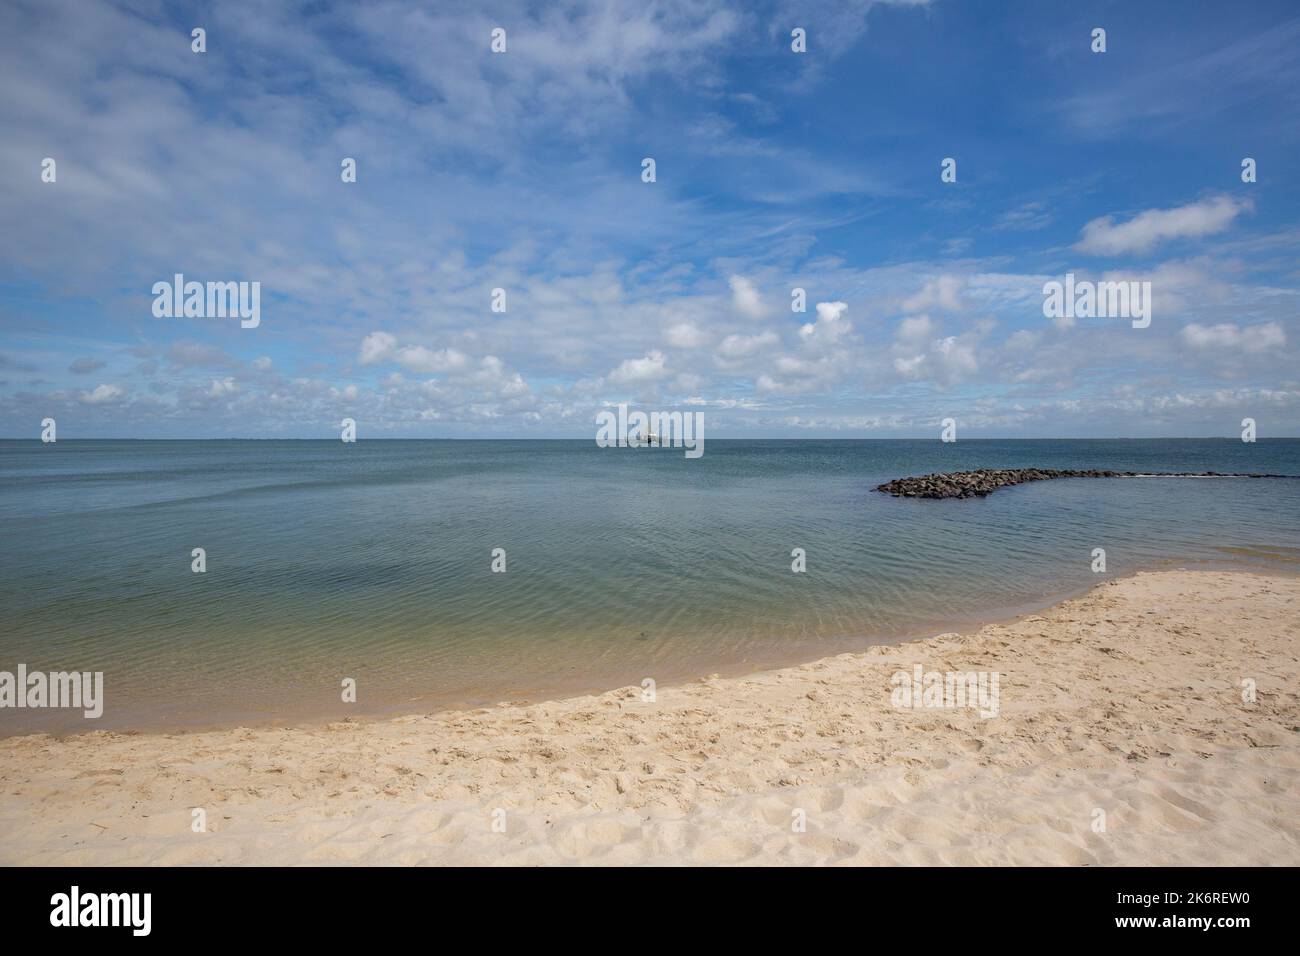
[[977, 484]]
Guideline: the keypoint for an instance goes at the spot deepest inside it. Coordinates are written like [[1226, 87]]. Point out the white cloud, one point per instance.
[[943, 292], [376, 347], [495, 379], [791, 365], [684, 335], [637, 371], [830, 311], [1105, 237], [417, 358], [830, 324], [738, 346], [745, 298], [918, 328], [945, 361], [223, 386], [103, 395], [909, 367], [382, 347], [955, 357], [1227, 335]]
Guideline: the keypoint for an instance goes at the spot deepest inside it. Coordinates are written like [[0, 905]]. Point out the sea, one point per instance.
[[423, 575]]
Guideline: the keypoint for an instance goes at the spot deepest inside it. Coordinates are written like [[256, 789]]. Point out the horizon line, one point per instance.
[[752, 438]]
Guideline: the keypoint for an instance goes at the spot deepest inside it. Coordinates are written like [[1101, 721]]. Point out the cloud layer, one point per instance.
[[798, 267]]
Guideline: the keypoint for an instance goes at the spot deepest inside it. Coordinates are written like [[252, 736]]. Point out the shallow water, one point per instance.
[[372, 560]]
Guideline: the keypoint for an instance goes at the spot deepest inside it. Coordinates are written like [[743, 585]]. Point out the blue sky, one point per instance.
[[774, 169]]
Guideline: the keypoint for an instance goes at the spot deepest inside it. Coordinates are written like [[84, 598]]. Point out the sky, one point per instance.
[[774, 170]]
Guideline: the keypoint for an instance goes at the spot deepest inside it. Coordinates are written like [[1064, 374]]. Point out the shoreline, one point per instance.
[[557, 688], [1124, 700]]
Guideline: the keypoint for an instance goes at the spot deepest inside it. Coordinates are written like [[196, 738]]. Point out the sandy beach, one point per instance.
[[1123, 734]]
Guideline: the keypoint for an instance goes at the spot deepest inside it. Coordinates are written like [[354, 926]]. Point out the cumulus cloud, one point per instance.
[[942, 292], [745, 298], [103, 395], [382, 347], [376, 347], [955, 357], [945, 360], [739, 346], [493, 378], [1105, 237], [909, 367], [830, 324], [684, 335], [417, 358], [640, 370], [917, 328], [1230, 336], [793, 365]]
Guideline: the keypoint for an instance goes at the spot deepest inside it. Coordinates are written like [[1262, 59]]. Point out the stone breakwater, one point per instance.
[[977, 484]]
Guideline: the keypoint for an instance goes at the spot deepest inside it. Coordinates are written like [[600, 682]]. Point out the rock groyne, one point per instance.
[[977, 484]]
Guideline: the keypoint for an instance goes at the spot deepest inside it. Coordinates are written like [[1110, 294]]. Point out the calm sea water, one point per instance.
[[373, 560]]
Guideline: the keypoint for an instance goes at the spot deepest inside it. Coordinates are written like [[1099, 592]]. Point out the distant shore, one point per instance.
[[1152, 720]]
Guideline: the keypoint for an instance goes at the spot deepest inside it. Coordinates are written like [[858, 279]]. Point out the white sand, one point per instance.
[[1127, 701]]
